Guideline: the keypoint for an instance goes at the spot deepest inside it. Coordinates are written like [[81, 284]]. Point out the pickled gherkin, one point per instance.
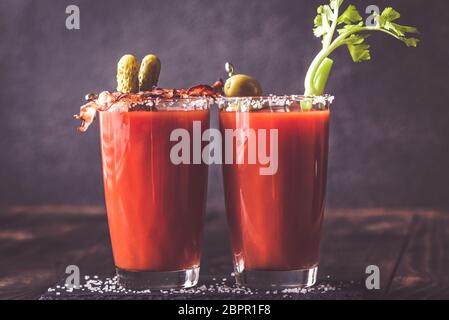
[[127, 70], [150, 69]]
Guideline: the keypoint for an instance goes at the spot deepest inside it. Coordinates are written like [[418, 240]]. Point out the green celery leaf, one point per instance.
[[389, 14], [319, 30], [399, 29], [356, 39], [357, 47], [328, 13], [351, 15], [351, 28], [335, 4], [410, 42], [322, 22], [360, 52], [405, 29]]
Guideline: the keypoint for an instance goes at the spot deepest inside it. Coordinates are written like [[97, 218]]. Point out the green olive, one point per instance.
[[241, 85]]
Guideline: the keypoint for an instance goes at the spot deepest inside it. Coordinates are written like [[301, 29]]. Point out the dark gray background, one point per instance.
[[389, 133]]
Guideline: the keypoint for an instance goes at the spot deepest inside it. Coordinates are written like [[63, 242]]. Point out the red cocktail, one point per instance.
[[155, 207], [275, 219]]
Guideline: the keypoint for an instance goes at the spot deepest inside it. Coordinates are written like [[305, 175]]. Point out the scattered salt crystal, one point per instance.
[[112, 285]]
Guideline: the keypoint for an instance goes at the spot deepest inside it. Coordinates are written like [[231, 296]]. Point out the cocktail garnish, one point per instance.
[[141, 101], [351, 33], [86, 115], [240, 85], [203, 90], [90, 97], [218, 87], [149, 71], [229, 67], [128, 98], [127, 74]]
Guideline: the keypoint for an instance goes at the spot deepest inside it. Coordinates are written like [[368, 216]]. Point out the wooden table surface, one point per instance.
[[409, 246]]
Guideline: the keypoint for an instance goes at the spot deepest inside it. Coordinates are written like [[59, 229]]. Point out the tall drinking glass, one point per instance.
[[155, 206], [275, 182]]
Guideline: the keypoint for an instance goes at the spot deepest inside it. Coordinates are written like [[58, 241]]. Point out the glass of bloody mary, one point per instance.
[[155, 207], [275, 216]]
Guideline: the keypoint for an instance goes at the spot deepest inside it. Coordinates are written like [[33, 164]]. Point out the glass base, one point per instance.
[[142, 280], [277, 279]]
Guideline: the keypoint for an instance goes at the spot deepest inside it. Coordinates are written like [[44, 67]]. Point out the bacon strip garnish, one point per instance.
[[106, 100], [86, 115]]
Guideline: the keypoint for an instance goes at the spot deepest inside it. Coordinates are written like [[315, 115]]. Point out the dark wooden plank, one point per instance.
[[36, 246], [356, 238], [40, 242], [423, 270], [216, 266]]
